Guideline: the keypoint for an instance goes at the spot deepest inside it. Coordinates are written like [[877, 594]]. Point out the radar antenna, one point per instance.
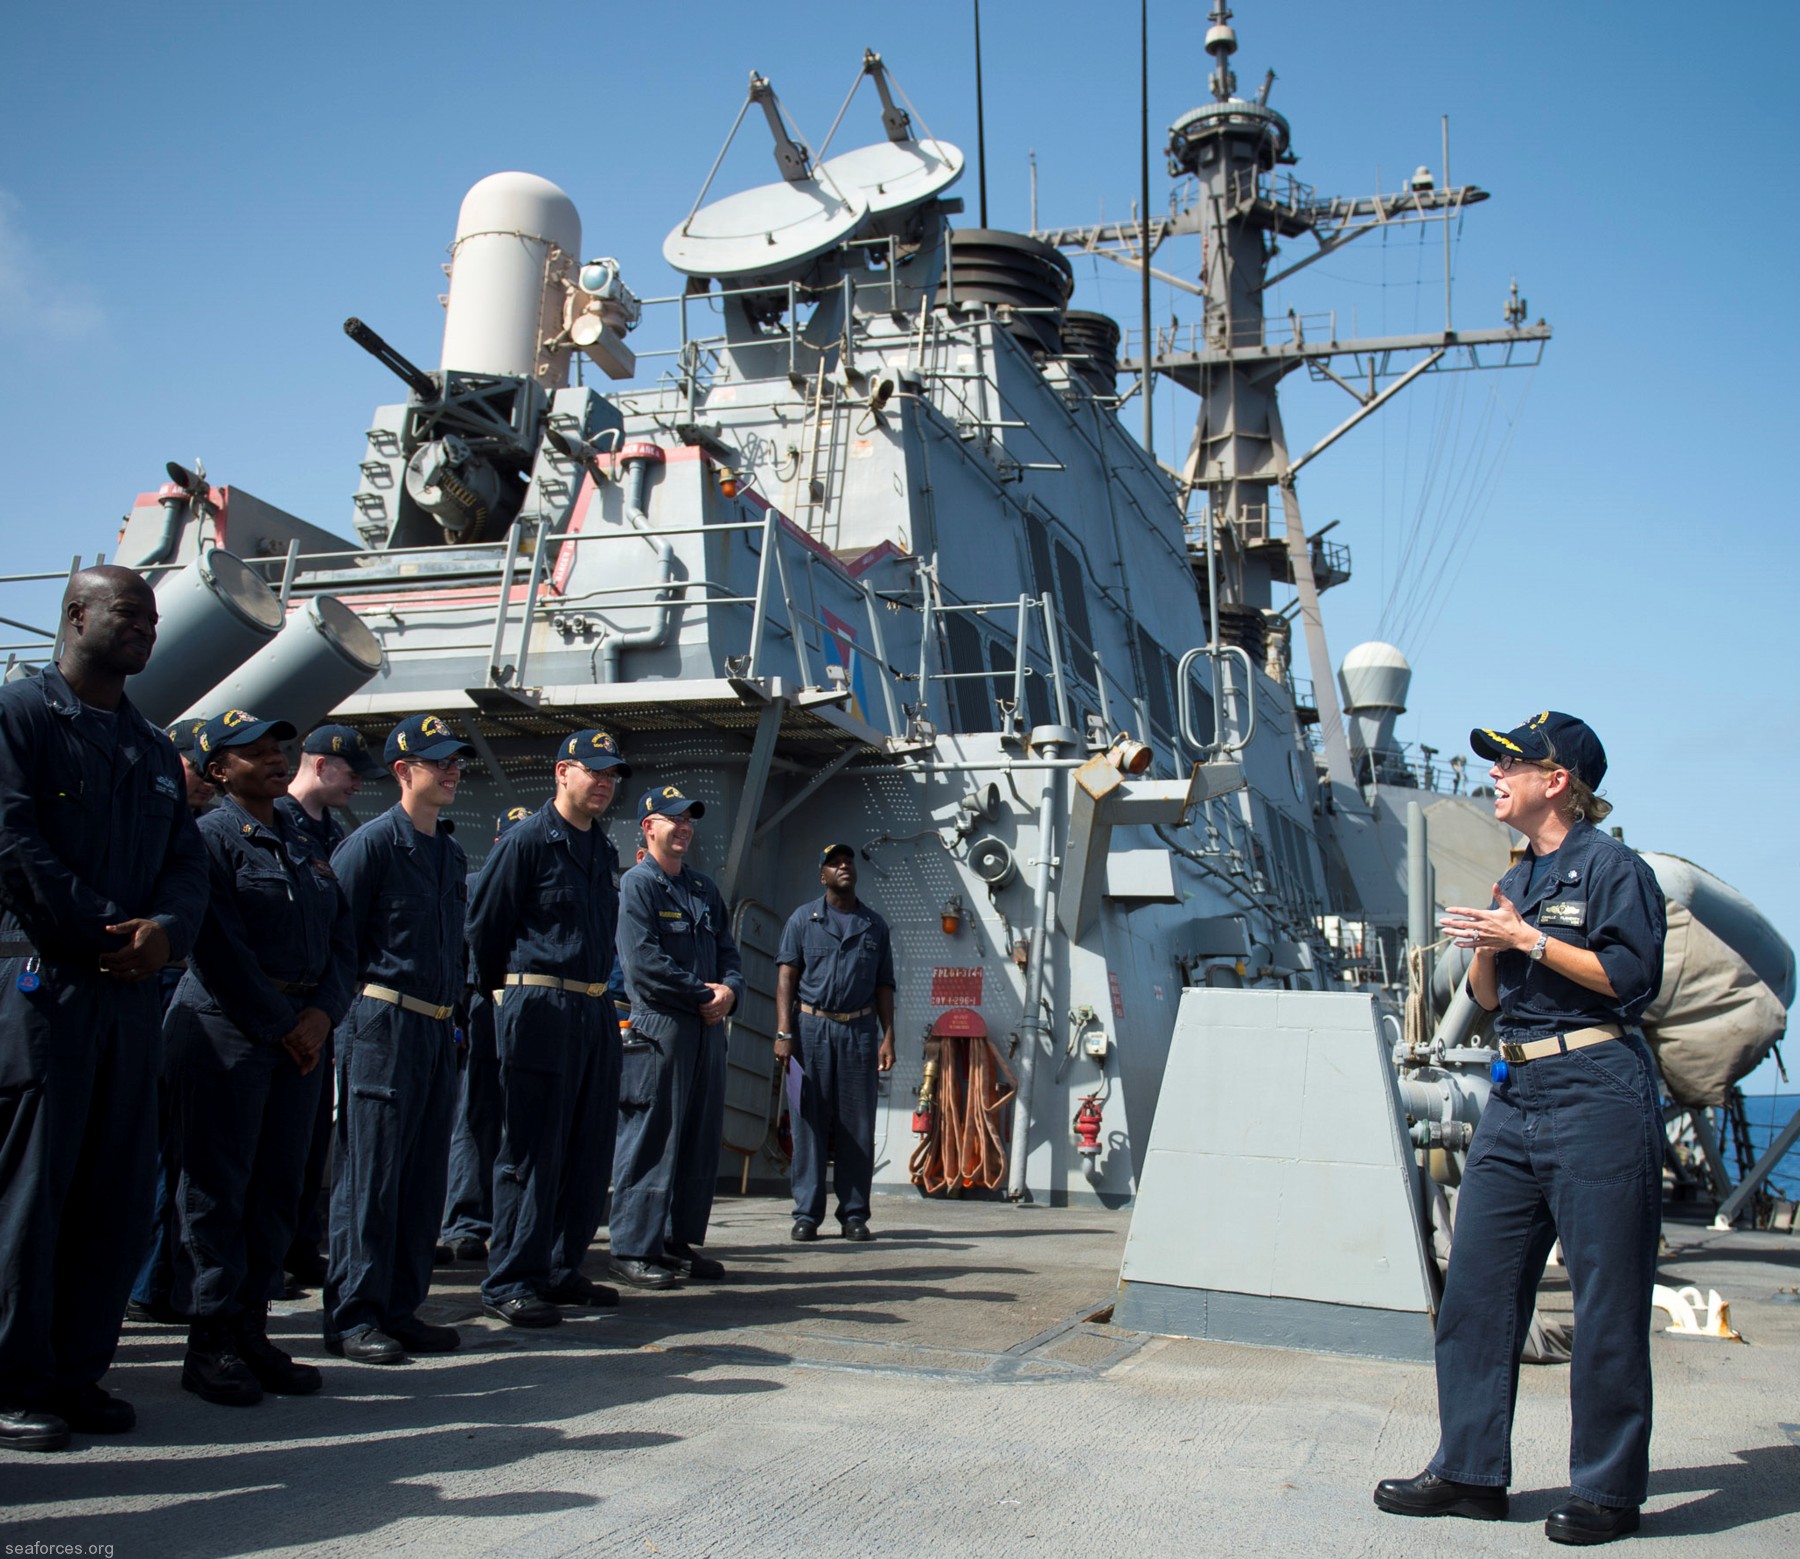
[[1221, 44]]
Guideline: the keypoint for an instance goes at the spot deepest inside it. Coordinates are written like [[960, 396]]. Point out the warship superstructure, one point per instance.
[[857, 543]]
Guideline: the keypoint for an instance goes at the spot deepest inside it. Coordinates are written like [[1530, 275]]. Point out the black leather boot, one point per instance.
[[213, 1369], [1430, 1495], [274, 1369]]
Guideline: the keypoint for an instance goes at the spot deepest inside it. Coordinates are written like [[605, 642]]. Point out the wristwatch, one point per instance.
[[780, 1035], [1536, 955]]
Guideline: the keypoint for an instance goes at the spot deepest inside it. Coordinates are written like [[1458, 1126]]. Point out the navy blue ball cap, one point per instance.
[[835, 849], [671, 803], [184, 736], [1571, 741], [342, 741], [507, 821], [595, 750], [424, 737], [239, 728]]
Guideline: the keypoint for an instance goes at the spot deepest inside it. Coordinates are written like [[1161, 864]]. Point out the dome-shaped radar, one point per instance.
[[518, 239], [1375, 676]]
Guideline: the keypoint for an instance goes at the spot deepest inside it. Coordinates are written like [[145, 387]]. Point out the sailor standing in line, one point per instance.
[[246, 1034], [836, 959], [543, 921], [475, 1138], [406, 880], [334, 761], [184, 737], [149, 1303], [102, 882], [684, 975], [1570, 1146]]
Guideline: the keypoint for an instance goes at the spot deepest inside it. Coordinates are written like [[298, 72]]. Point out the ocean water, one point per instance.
[[1767, 1115]]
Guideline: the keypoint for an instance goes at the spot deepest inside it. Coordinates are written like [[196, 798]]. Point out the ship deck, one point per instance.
[[953, 1387]]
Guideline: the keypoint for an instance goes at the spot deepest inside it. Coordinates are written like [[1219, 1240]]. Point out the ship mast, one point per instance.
[[1230, 153]]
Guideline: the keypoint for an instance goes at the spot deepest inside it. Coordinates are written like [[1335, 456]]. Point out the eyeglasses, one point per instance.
[[439, 765], [1512, 761]]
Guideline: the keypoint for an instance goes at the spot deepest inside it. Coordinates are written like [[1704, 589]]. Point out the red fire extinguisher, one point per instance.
[[1087, 1126]]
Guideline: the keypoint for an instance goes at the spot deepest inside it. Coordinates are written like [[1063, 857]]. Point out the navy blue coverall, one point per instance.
[[94, 830], [324, 836], [543, 906], [1569, 1146], [396, 1069], [475, 1130], [673, 939], [839, 1062], [276, 938]]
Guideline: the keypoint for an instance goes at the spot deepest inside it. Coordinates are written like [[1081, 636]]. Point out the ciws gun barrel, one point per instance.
[[415, 377]]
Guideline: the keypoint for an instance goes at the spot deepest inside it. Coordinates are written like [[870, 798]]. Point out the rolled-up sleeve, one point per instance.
[[1626, 925]]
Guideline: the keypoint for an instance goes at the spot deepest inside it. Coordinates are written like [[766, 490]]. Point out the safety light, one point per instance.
[[952, 914], [1128, 756]]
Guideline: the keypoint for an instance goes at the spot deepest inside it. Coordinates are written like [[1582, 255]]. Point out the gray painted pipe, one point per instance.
[[653, 637], [1032, 1024], [174, 507], [612, 645]]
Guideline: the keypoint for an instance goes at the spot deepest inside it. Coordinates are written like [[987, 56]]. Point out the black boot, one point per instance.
[[274, 1369], [1430, 1495], [213, 1369]]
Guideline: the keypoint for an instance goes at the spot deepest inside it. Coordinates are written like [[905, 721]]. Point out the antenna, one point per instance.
[[1221, 44], [1144, 204], [980, 118]]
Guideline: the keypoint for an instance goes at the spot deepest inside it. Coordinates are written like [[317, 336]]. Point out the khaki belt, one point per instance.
[[836, 1017], [1558, 1044], [550, 982], [406, 1003]]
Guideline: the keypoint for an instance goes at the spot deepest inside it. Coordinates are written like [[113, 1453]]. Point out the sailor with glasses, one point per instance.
[[1570, 1146]]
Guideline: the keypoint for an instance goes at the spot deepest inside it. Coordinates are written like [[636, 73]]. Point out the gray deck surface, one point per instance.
[[940, 1391]]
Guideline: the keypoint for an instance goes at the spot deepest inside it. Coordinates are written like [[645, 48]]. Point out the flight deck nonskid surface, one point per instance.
[[951, 1388]]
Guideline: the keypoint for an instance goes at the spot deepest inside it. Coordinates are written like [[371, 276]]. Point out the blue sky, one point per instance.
[[194, 197]]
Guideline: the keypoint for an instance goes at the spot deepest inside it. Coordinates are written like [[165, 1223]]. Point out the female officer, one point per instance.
[[1569, 1146], [270, 977]]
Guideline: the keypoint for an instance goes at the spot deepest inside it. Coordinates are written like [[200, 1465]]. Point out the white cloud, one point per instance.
[[36, 304]]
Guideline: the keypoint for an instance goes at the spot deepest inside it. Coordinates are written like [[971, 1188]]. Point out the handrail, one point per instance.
[[1221, 745]]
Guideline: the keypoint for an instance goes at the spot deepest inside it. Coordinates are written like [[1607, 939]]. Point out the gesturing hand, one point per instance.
[[1488, 930]]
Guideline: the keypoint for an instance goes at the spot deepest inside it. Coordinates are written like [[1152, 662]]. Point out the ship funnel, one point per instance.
[[518, 243], [1375, 678], [213, 616]]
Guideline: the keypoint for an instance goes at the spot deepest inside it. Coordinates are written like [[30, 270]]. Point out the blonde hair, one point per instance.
[[1584, 805]]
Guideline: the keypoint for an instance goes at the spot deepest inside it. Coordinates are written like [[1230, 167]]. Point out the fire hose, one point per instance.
[[960, 1116]]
